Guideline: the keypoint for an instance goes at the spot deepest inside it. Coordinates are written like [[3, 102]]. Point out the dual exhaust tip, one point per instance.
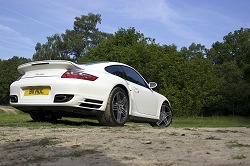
[[59, 98], [62, 98]]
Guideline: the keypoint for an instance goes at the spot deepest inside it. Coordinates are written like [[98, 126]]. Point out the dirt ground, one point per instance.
[[133, 144]]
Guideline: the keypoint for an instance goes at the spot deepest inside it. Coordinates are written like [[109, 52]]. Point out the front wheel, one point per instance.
[[165, 116], [117, 110]]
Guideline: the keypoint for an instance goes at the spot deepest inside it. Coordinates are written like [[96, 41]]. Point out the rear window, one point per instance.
[[115, 70]]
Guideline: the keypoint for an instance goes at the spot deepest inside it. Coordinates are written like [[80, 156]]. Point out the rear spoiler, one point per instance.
[[47, 64]]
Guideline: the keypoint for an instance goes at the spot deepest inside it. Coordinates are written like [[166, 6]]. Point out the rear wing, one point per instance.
[[47, 64]]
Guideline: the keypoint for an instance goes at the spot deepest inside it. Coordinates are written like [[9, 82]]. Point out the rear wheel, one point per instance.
[[117, 110], [165, 116]]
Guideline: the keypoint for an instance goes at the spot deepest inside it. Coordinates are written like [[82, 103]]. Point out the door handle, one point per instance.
[[136, 90]]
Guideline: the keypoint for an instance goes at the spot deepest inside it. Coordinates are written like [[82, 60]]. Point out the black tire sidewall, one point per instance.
[[113, 93]]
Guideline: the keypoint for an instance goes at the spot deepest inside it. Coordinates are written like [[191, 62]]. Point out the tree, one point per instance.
[[194, 85], [234, 48], [8, 74], [235, 91], [126, 46], [231, 59], [54, 48], [74, 43], [194, 50]]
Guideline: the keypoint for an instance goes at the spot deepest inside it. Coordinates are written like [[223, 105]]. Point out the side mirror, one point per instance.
[[152, 85]]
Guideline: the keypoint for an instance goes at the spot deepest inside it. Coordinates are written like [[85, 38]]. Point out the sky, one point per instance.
[[23, 23]]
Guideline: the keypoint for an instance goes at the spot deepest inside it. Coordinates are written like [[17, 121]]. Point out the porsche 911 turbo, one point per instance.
[[111, 92]]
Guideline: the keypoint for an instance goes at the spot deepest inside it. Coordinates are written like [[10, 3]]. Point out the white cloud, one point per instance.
[[5, 29], [10, 36]]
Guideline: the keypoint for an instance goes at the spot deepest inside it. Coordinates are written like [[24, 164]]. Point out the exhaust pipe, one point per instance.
[[62, 98], [13, 98]]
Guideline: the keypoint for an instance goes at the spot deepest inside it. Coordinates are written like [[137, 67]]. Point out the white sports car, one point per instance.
[[112, 92]]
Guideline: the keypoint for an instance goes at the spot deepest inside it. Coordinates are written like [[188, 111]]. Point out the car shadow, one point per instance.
[[31, 151], [75, 123], [69, 122]]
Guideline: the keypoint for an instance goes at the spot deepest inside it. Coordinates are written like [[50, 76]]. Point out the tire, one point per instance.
[[117, 110], [165, 118], [44, 118]]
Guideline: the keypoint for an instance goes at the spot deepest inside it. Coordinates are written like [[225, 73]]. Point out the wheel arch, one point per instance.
[[123, 87], [167, 102], [108, 117], [162, 100]]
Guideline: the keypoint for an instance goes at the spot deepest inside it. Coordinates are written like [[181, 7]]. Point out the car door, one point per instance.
[[145, 98]]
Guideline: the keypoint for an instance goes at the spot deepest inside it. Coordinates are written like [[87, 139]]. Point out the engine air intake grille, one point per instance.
[[93, 101], [91, 104]]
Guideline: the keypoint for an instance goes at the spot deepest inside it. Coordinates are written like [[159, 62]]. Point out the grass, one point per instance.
[[239, 157], [36, 159], [45, 142], [24, 120], [213, 138], [129, 158], [232, 144], [217, 121], [226, 131]]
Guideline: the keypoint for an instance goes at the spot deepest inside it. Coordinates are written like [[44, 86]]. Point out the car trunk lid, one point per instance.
[[49, 68]]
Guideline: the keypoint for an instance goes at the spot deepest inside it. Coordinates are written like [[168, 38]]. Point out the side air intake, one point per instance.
[[91, 104]]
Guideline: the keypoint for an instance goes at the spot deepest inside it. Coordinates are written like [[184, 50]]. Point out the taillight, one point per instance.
[[78, 74]]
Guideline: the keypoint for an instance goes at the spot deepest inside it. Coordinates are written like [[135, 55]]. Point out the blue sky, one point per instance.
[[23, 23]]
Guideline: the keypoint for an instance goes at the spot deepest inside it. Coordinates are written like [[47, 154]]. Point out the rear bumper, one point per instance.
[[81, 96]]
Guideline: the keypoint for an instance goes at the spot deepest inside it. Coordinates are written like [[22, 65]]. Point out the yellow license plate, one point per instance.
[[34, 91]]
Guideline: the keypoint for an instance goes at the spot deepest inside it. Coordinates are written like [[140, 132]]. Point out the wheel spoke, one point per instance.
[[165, 121], [168, 114], [120, 105], [119, 116], [123, 111], [158, 123], [115, 107], [118, 100], [124, 100]]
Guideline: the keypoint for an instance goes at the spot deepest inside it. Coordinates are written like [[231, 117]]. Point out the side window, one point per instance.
[[133, 76], [115, 70]]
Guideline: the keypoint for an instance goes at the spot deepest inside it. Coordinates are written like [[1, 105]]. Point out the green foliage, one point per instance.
[[8, 74], [234, 48], [232, 62], [235, 90], [194, 82], [54, 48], [197, 81], [74, 43]]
